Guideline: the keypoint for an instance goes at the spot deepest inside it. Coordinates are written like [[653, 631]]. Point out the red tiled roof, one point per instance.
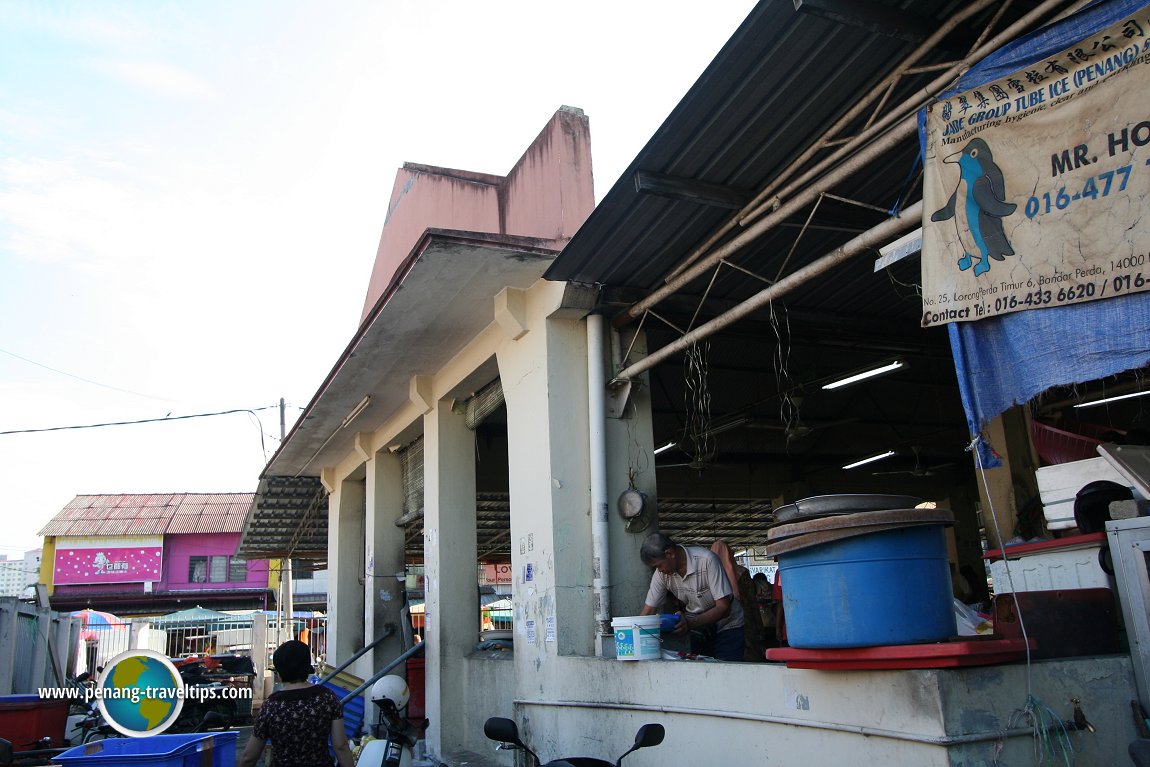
[[98, 515]]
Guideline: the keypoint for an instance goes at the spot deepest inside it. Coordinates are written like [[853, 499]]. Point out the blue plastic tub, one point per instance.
[[189, 750], [885, 588]]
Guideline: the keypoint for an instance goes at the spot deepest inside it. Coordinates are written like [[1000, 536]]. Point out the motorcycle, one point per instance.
[[399, 736], [505, 732], [204, 674], [88, 725]]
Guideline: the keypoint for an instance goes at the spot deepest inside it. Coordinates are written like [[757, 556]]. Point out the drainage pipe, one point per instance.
[[872, 238], [597, 448], [853, 729]]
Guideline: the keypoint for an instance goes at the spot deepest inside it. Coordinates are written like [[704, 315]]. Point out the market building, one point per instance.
[[678, 354]]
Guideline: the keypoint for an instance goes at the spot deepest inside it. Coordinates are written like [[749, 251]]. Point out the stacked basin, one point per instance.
[[863, 571]]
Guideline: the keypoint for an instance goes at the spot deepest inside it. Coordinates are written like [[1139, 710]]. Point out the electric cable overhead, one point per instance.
[[81, 378], [143, 420]]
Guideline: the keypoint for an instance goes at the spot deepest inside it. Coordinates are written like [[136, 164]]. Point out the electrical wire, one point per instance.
[[85, 380], [1041, 718], [143, 420]]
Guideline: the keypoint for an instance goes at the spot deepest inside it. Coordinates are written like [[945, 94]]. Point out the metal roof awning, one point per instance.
[[287, 519], [798, 137]]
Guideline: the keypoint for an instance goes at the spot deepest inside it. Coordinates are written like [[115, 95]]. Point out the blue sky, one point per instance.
[[191, 195]]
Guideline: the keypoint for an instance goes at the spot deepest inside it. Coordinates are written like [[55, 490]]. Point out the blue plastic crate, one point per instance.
[[192, 750]]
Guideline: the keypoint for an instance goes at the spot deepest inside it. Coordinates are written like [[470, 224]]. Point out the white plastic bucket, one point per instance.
[[637, 637]]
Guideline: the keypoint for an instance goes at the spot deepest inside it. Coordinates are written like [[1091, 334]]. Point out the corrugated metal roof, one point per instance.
[[288, 518], [779, 83], [150, 514], [766, 100]]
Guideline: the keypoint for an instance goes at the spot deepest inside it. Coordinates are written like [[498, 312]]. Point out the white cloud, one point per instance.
[[157, 77]]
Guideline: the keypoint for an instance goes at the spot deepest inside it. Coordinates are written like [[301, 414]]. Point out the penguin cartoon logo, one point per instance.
[[978, 205]]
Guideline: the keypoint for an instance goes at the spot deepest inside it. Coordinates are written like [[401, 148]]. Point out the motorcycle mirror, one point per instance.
[[503, 730], [649, 735]]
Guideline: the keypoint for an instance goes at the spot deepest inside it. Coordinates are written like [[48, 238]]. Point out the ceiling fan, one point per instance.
[[918, 471], [797, 429], [696, 462]]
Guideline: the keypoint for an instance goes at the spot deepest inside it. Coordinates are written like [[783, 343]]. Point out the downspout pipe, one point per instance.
[[597, 460]]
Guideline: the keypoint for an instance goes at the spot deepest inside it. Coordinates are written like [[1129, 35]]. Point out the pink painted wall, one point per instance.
[[548, 194], [179, 549], [132, 564]]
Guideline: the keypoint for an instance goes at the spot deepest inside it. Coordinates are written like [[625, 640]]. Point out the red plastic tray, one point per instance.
[[972, 652], [1067, 543]]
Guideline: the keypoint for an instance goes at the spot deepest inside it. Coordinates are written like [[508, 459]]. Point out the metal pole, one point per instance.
[[383, 672], [822, 180], [388, 630], [756, 207], [289, 608], [909, 219]]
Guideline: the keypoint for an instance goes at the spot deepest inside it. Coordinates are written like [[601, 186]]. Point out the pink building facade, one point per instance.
[[139, 555], [547, 195]]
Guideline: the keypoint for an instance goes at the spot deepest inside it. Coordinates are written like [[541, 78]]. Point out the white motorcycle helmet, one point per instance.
[[393, 688]]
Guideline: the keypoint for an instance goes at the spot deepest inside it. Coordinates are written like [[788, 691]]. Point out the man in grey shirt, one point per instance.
[[695, 576]]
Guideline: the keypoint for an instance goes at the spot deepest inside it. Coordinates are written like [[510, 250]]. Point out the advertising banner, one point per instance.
[[108, 560], [1037, 179]]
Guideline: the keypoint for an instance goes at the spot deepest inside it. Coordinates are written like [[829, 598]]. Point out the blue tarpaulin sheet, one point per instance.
[[1010, 359]]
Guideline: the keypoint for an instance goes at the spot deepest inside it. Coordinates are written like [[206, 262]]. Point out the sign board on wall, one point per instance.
[[499, 573], [123, 559], [1037, 182]]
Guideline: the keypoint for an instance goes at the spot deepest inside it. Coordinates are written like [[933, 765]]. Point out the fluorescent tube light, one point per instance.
[[872, 459], [1112, 399], [665, 447], [890, 367], [908, 245], [355, 411]]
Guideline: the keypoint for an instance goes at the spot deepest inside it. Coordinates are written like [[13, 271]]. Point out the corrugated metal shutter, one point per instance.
[[483, 403], [411, 472]]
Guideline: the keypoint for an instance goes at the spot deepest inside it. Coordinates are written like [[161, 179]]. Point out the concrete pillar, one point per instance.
[[549, 482], [345, 567], [383, 592], [451, 585], [631, 455], [259, 659]]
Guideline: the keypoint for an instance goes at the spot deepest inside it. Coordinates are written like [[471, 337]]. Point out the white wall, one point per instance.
[[770, 716]]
